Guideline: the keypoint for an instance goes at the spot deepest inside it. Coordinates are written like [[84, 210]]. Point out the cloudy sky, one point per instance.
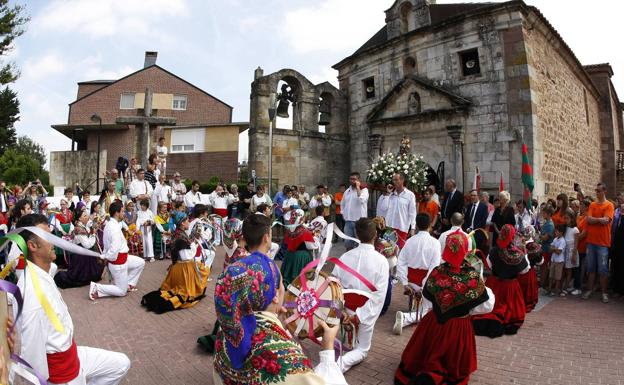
[[217, 44]]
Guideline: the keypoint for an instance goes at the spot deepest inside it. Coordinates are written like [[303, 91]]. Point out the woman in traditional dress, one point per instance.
[[300, 243], [81, 269], [442, 349], [61, 221], [185, 283], [528, 281], [162, 233], [507, 259], [233, 242], [253, 347]]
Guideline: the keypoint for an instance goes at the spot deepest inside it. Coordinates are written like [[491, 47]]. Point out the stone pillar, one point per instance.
[[457, 157]]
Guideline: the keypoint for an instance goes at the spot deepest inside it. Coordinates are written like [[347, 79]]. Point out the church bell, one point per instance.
[[282, 108], [324, 119]]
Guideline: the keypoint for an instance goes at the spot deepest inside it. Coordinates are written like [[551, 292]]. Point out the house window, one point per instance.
[[369, 88], [187, 140], [179, 102], [127, 101], [470, 62]]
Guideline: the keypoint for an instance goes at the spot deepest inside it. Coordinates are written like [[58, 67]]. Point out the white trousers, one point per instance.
[[148, 243], [415, 316], [100, 367], [123, 275], [360, 351]]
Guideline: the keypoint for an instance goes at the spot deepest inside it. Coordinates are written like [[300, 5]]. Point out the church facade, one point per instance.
[[468, 84]]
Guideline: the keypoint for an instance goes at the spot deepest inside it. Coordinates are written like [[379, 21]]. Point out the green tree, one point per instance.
[[17, 168], [9, 114], [30, 148], [12, 19]]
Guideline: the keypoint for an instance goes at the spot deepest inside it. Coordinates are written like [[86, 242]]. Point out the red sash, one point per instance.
[[198, 252], [63, 366], [416, 276], [121, 259], [221, 212], [354, 300]]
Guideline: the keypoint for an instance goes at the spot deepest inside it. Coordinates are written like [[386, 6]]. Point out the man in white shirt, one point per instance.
[[140, 188], [322, 199], [401, 213], [162, 193], [418, 257], [457, 220], [354, 205], [178, 188], [49, 347], [193, 197], [374, 267], [124, 268]]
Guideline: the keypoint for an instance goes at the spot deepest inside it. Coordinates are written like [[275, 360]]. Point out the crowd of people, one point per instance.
[[467, 265]]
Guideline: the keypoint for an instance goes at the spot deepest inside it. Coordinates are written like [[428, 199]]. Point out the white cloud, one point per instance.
[[326, 74], [334, 25], [97, 18], [49, 64]]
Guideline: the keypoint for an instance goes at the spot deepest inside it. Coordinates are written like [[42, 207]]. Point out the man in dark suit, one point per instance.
[[453, 203], [476, 218]]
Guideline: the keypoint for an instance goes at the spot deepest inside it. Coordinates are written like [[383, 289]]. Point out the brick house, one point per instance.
[[201, 138]]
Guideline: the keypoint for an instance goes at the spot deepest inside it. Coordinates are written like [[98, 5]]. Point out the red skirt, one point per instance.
[[509, 310], [530, 289], [439, 353]]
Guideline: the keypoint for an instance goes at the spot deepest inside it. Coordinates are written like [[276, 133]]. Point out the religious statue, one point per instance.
[[413, 103], [406, 145]]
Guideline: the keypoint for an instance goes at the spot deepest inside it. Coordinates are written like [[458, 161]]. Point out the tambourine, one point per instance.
[[321, 301]]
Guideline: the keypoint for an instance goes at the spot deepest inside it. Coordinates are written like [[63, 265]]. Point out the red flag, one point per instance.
[[502, 183]]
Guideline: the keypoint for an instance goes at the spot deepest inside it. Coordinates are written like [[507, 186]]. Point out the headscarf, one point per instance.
[[506, 236], [293, 219], [232, 230], [246, 286], [456, 249], [179, 217]]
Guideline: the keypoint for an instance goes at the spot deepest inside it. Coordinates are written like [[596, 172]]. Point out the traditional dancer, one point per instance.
[[419, 256], [47, 338], [233, 243], [506, 260], [300, 243], [442, 349], [363, 311], [125, 269], [253, 347], [162, 232], [528, 281], [386, 245], [81, 269]]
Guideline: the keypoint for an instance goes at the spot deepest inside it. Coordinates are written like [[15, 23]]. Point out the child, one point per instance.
[[145, 221], [546, 236], [571, 255], [264, 209], [558, 250], [318, 226]]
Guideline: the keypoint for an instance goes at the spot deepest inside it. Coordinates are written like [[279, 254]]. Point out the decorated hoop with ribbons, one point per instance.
[[315, 296]]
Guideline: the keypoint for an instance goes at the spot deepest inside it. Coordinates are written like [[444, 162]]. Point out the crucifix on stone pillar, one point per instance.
[[145, 121]]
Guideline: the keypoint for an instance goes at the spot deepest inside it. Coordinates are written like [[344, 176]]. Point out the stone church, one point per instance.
[[468, 84]]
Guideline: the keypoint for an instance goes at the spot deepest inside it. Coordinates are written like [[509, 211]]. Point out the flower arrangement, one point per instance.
[[412, 166]]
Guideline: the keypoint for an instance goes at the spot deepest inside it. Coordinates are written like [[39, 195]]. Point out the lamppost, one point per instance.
[[272, 107], [95, 118]]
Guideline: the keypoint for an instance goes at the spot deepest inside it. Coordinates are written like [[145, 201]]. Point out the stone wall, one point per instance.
[[567, 134], [70, 167], [204, 165]]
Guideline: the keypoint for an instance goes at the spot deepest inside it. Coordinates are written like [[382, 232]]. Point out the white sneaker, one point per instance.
[[605, 298], [575, 292], [398, 323], [152, 260]]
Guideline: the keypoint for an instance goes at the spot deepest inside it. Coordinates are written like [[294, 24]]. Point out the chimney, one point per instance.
[[150, 58]]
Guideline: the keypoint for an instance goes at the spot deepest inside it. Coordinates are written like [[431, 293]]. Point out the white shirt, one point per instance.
[[37, 334], [221, 201], [325, 201], [560, 244], [257, 201], [114, 241], [453, 229], [353, 206], [143, 217], [84, 240], [3, 203], [422, 251], [161, 151], [372, 266], [140, 187], [192, 198], [382, 205], [290, 202], [179, 189], [162, 192], [402, 211]]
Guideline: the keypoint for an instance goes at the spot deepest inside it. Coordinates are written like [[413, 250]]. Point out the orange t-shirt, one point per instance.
[[338, 198], [581, 225], [430, 207], [600, 234], [558, 219]]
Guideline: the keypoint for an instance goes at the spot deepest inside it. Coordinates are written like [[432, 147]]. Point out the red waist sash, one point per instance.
[[121, 259], [416, 276], [63, 366], [221, 212], [354, 300]]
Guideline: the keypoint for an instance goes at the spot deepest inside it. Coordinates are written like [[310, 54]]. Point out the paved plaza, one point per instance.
[[568, 341]]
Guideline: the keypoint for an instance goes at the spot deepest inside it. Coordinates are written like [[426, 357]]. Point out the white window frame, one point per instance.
[[194, 141], [179, 97], [121, 107]]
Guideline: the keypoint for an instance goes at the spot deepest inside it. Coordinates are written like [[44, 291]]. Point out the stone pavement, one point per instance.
[[569, 341]]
